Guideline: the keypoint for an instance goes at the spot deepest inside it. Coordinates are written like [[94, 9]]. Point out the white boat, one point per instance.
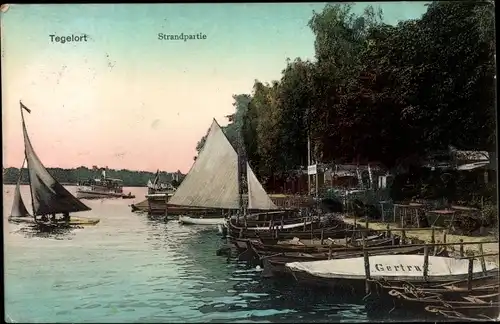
[[48, 196], [279, 227], [201, 221], [213, 182], [389, 267], [159, 196]]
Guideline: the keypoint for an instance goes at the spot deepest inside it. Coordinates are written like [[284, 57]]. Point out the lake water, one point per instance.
[[128, 268]]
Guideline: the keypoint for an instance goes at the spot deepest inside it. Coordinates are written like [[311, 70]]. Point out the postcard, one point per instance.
[[250, 162]]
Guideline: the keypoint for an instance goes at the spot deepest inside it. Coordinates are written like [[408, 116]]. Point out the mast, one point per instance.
[[21, 106], [241, 168]]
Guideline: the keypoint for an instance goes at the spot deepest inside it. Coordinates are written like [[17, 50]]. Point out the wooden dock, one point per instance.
[[435, 235]]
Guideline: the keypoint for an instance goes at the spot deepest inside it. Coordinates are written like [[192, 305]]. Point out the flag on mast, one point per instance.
[[24, 107]]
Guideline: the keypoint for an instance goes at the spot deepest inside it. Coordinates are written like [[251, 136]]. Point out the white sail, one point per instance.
[[257, 196], [212, 181]]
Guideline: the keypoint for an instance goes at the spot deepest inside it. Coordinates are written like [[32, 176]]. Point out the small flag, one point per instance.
[[24, 107]]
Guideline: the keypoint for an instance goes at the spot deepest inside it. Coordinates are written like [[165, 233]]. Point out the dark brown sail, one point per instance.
[[48, 195]]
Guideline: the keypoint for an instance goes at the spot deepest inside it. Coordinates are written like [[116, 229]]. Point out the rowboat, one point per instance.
[[407, 267]]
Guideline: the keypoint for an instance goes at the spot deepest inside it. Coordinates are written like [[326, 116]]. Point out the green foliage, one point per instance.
[[377, 92], [72, 176]]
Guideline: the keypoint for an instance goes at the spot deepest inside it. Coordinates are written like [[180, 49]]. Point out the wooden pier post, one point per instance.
[[322, 235], [469, 273], [433, 240], [444, 240], [426, 262], [367, 222], [330, 251], [403, 237], [461, 248], [367, 270], [483, 262], [166, 207], [388, 232], [305, 222]]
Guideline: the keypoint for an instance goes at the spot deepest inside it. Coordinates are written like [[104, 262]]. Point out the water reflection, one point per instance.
[[57, 233], [230, 290]]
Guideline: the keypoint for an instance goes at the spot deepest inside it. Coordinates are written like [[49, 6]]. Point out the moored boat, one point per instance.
[[406, 267], [213, 182], [201, 221], [276, 264]]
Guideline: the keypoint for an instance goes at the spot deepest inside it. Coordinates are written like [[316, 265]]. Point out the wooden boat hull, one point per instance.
[[376, 240], [470, 312], [388, 267], [448, 298], [308, 231], [158, 207], [85, 194], [74, 221], [186, 220], [276, 264]]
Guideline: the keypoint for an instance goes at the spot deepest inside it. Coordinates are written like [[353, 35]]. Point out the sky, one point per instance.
[[127, 100]]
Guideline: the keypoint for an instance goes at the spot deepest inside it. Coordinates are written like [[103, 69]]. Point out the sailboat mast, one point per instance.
[[240, 180], [26, 158]]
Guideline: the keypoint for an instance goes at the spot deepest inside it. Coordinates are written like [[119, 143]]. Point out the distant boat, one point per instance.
[[100, 188], [156, 187], [158, 193], [48, 196], [129, 196], [213, 182]]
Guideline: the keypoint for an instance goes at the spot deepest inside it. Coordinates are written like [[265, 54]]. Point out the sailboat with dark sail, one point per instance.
[[49, 198], [214, 182]]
